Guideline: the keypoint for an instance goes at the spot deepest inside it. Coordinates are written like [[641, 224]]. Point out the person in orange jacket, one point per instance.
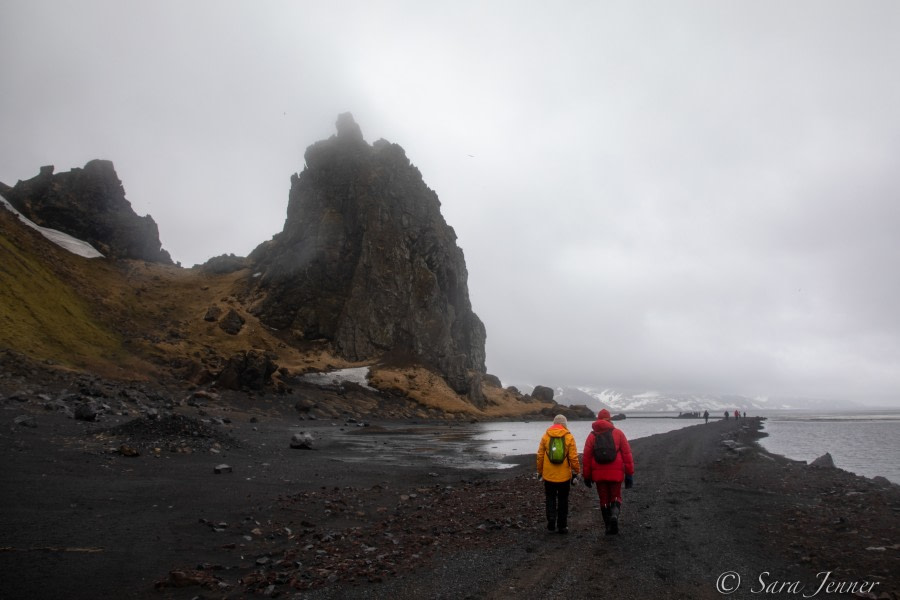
[[558, 477], [608, 475]]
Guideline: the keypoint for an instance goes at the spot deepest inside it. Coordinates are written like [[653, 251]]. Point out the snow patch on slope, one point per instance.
[[357, 375], [63, 240]]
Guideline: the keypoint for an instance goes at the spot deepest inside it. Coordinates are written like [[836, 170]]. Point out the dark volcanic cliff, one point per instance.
[[367, 261], [89, 204]]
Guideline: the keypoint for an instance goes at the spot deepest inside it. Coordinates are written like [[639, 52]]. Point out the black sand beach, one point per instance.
[[80, 519]]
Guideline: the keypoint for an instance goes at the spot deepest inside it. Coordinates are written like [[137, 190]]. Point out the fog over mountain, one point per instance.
[[698, 198]]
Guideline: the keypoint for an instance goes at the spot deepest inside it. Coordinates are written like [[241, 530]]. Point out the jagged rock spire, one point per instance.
[[367, 261]]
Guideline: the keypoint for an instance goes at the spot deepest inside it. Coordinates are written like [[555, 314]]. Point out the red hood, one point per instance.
[[602, 425]]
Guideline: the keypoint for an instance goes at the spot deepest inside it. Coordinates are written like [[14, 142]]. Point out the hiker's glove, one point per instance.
[[588, 482], [629, 481]]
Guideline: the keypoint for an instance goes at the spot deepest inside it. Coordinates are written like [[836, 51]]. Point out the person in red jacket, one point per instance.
[[608, 475]]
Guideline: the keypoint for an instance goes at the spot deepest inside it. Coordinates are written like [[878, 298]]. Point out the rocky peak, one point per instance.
[[366, 261], [347, 129], [89, 204]]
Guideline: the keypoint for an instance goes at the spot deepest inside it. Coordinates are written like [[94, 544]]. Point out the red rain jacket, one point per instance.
[[617, 469]]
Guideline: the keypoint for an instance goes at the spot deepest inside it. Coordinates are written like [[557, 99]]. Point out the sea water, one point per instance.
[[480, 445], [865, 443], [510, 438]]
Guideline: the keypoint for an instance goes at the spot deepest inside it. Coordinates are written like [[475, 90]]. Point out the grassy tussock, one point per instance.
[[431, 391], [503, 403], [421, 385]]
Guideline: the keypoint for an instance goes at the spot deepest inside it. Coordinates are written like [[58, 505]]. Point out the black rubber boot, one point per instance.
[[613, 528], [604, 510], [551, 525]]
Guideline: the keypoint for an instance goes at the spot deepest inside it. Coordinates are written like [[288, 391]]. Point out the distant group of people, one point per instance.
[[737, 414], [608, 464]]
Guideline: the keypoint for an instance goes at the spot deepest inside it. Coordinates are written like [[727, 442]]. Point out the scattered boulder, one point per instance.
[[580, 412], [86, 411], [205, 395], [188, 578], [252, 370], [736, 448], [542, 393], [26, 421], [213, 313], [302, 441], [223, 468], [305, 404], [126, 450], [825, 462], [232, 322], [492, 380]]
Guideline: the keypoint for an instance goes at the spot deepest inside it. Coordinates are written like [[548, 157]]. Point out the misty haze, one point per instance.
[[485, 300]]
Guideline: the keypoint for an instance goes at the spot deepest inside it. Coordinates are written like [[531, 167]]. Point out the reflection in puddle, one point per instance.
[[411, 445]]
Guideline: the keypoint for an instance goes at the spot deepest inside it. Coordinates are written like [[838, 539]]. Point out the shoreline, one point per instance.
[[344, 521]]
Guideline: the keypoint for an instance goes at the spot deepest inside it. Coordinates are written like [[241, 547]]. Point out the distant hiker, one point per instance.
[[745, 414], [608, 469], [706, 416], [726, 415], [557, 464], [737, 414]]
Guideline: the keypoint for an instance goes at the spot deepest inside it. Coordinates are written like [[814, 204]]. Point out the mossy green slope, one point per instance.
[[42, 315]]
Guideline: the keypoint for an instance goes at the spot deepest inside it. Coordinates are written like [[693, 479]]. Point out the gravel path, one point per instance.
[[701, 520]]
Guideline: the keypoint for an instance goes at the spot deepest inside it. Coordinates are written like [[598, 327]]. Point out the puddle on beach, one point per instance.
[[411, 446]]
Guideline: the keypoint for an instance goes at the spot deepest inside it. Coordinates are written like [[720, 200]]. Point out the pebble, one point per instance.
[[26, 421]]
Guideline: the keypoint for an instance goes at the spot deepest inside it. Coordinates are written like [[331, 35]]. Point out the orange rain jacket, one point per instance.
[[564, 470]]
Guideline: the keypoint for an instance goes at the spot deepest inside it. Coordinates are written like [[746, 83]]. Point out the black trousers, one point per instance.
[[557, 496]]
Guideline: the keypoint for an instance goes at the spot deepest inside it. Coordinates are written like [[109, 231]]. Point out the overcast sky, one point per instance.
[[670, 196]]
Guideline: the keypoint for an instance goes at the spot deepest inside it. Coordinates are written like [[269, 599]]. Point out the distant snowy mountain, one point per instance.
[[621, 401]]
